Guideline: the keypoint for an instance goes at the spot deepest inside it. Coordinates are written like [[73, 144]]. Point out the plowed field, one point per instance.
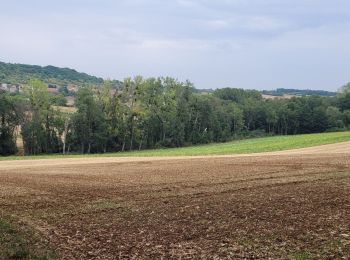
[[280, 205]]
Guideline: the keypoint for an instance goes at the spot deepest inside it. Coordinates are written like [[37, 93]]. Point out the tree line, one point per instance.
[[23, 73], [157, 112]]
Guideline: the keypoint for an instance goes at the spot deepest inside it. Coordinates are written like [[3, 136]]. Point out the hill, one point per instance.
[[22, 73], [298, 92]]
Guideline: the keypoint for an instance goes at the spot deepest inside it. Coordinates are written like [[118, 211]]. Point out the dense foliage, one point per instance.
[[158, 112], [11, 114], [22, 73]]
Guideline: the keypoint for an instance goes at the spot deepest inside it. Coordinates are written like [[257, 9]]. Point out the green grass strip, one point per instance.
[[247, 146]]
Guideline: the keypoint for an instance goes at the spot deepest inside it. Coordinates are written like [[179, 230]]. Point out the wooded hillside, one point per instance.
[[22, 73]]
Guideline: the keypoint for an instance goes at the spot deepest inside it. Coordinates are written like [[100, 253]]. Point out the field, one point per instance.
[[256, 145], [279, 205]]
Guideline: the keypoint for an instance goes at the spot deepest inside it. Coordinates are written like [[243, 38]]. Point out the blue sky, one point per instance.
[[261, 44]]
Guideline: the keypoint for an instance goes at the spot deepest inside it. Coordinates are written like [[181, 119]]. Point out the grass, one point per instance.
[[301, 256], [257, 145], [16, 243]]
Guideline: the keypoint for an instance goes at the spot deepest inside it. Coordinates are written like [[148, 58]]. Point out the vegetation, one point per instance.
[[11, 115], [255, 145], [58, 100], [22, 74], [19, 243], [301, 256], [299, 92], [155, 113]]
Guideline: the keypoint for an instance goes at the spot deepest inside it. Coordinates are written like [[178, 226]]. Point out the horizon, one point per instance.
[[210, 88], [263, 45], [214, 88]]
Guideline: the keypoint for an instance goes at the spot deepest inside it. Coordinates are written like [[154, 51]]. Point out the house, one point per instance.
[[53, 89], [73, 88], [12, 88], [3, 86]]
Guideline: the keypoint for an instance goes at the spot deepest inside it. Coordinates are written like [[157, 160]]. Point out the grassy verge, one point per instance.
[[257, 145], [18, 243]]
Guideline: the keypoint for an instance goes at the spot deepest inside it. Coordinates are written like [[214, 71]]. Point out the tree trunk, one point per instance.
[[65, 132], [140, 146], [132, 132], [131, 138], [64, 147], [47, 134], [123, 147]]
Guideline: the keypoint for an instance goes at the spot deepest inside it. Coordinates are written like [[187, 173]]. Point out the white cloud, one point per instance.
[[258, 43]]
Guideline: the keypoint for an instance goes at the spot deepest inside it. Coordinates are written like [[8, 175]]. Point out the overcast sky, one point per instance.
[[261, 44]]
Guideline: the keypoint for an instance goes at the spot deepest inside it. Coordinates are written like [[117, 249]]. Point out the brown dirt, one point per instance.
[[274, 205]]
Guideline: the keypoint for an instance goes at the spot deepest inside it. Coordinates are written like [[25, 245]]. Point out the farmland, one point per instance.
[[175, 130], [281, 205]]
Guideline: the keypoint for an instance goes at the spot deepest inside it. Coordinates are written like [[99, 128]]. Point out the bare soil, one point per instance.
[[280, 205]]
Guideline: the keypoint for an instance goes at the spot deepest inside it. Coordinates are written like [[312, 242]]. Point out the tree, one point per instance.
[[39, 131], [89, 123], [237, 120], [344, 97], [157, 112], [57, 100], [271, 117], [11, 114], [335, 118]]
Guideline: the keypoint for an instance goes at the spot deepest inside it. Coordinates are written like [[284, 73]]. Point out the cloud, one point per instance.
[[255, 44]]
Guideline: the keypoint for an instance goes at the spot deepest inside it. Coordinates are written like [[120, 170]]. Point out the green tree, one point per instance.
[[57, 100], [89, 123], [344, 97], [39, 131], [11, 114]]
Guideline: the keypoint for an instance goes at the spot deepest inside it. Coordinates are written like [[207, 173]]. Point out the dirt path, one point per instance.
[[276, 205]]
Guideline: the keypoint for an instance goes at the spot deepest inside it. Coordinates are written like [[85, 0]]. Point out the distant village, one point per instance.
[[11, 87]]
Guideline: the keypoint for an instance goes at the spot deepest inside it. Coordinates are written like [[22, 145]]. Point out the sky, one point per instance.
[[252, 44]]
